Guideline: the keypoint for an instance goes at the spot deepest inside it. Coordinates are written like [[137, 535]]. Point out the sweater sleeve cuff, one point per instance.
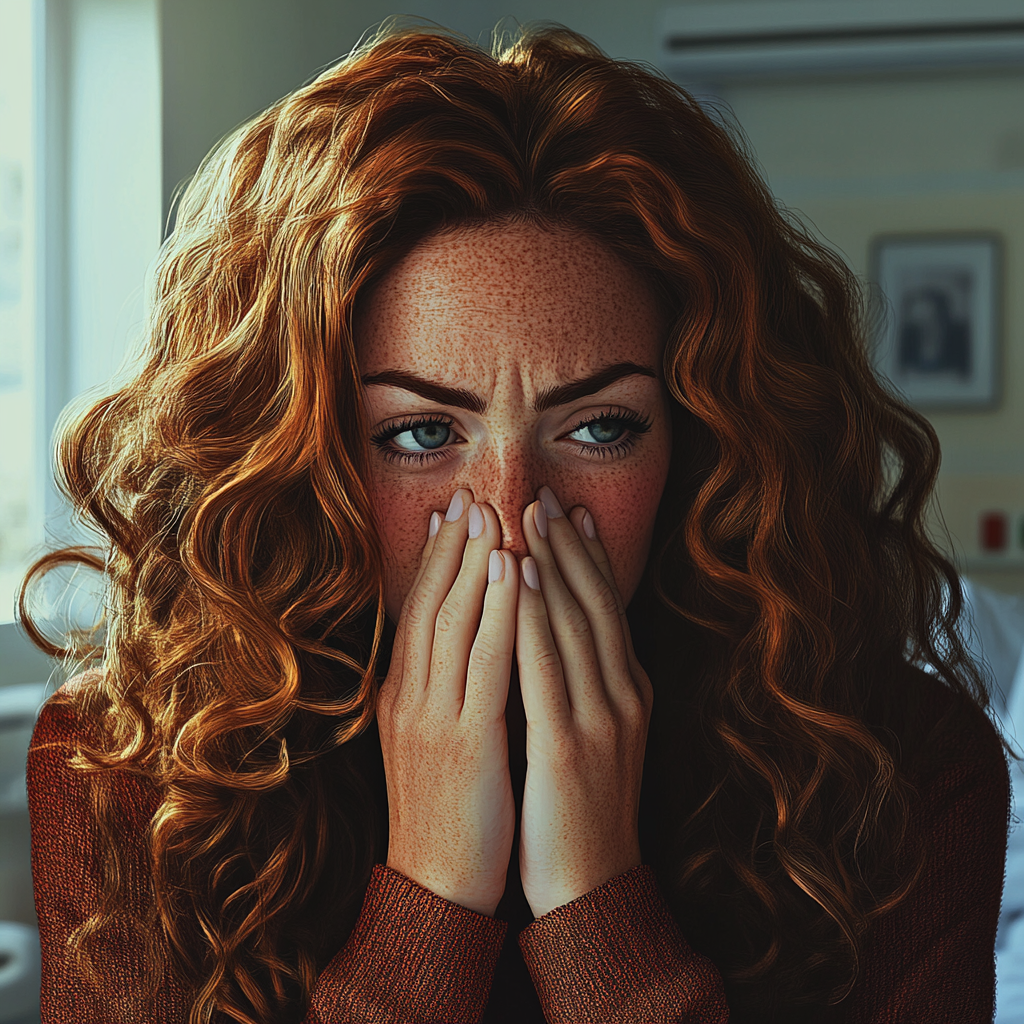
[[616, 954], [412, 957]]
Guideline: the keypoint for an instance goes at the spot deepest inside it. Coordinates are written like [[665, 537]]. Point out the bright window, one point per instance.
[[20, 462]]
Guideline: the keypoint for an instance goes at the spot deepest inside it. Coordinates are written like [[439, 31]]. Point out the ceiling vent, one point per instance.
[[733, 40]]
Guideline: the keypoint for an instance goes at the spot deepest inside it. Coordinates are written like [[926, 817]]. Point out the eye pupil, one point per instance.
[[431, 435], [605, 430]]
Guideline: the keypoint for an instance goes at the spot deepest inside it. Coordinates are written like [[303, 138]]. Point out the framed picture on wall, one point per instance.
[[940, 337]]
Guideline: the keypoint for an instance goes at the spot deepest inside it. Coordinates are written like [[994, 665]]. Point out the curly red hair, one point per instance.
[[244, 574]]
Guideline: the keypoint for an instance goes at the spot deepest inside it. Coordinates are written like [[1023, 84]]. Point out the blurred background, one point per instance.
[[894, 129]]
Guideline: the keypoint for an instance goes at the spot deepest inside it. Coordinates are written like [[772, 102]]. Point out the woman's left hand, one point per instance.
[[588, 706]]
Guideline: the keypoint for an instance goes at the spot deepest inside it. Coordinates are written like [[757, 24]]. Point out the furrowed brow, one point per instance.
[[430, 389], [461, 398], [563, 394]]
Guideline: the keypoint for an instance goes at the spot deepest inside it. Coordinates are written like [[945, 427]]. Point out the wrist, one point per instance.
[[485, 903], [552, 897]]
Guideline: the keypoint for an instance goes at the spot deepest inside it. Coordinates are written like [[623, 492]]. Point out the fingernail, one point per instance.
[[454, 508], [435, 524], [551, 506], [476, 521], [494, 566], [530, 574], [540, 519], [588, 525]]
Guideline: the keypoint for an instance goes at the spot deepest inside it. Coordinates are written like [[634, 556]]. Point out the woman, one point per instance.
[[489, 405]]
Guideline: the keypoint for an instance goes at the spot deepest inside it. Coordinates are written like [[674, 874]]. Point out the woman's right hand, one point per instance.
[[441, 713]]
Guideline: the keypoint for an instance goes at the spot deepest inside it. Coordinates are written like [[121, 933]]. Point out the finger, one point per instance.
[[419, 612], [590, 589], [458, 618], [583, 522], [569, 625], [623, 677], [586, 531], [433, 525], [541, 679], [490, 660], [433, 528]]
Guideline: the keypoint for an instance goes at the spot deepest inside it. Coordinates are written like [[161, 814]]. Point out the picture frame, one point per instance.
[[940, 336]]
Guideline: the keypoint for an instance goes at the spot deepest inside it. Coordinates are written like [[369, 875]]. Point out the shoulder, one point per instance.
[[59, 784], [63, 720], [951, 724], [956, 753], [82, 682]]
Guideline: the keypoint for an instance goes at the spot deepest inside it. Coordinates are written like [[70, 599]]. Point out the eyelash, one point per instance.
[[636, 424]]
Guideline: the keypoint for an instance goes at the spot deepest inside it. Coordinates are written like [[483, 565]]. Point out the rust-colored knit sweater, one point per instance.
[[614, 954]]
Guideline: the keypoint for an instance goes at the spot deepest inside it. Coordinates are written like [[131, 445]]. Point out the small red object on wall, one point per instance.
[[994, 531]]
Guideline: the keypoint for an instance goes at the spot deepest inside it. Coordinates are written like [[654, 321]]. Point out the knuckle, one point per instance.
[[386, 720], [633, 703], [394, 699], [646, 690], [386, 690], [635, 713], [387, 709], [606, 599], [414, 610], [548, 665], [576, 622], [486, 654], [448, 618]]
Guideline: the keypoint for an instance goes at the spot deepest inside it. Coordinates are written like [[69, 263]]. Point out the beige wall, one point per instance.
[[861, 158]]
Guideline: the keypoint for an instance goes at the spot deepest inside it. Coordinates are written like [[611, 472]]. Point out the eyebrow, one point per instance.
[[549, 398]]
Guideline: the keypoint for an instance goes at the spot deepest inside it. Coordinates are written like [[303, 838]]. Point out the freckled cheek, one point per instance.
[[403, 516], [625, 518]]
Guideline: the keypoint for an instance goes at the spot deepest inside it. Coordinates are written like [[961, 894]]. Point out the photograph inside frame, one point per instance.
[[940, 341]]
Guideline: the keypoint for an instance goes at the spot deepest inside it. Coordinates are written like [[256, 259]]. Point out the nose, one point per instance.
[[508, 484]]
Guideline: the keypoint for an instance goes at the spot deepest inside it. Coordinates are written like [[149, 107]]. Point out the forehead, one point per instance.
[[481, 301]]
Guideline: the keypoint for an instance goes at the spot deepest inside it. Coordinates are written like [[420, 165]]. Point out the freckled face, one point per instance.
[[510, 315]]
